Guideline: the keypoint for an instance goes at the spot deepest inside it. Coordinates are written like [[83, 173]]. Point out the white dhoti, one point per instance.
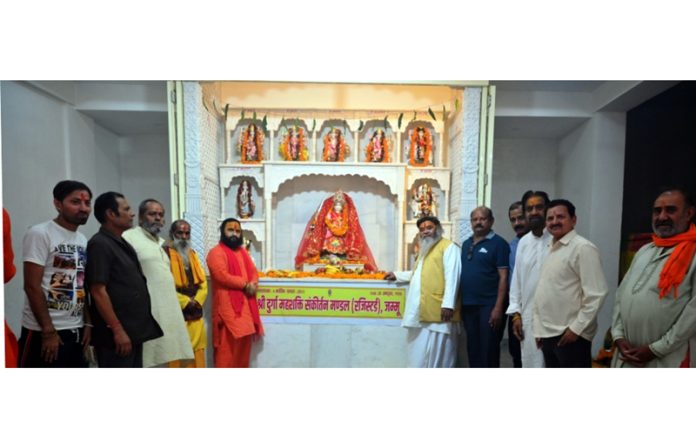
[[427, 348]]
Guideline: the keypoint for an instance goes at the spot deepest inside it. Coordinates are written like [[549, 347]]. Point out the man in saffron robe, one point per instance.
[[654, 320], [236, 321], [191, 288]]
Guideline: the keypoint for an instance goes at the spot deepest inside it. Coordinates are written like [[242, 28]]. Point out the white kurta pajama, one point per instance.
[[175, 343], [432, 344], [531, 253]]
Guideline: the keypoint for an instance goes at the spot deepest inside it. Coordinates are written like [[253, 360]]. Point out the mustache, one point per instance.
[[518, 227], [665, 222]]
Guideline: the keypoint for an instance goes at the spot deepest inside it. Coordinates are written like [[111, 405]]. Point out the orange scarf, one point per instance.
[[674, 271], [179, 272]]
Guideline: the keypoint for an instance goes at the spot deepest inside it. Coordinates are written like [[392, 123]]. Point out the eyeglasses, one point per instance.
[[470, 254]]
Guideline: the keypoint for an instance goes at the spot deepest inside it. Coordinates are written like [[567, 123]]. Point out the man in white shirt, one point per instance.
[[175, 344], [570, 292], [54, 330], [531, 253], [432, 309]]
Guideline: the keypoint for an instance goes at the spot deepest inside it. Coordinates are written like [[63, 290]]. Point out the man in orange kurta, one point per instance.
[[236, 321]]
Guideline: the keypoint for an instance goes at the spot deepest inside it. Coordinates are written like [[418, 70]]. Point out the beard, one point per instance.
[[233, 242], [77, 220], [427, 242], [182, 247], [536, 222], [152, 227]]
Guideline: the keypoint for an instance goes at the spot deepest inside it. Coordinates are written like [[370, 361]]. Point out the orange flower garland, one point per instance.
[[342, 228], [244, 143], [303, 154], [369, 151], [428, 147], [342, 149], [337, 275]]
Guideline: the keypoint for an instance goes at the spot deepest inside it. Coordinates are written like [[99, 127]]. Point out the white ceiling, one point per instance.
[[126, 123], [525, 124], [548, 86]]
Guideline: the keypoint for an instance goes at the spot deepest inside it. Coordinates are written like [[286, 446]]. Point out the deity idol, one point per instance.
[[251, 144], [424, 202], [293, 146], [335, 148], [334, 234], [378, 148], [421, 147], [245, 203]]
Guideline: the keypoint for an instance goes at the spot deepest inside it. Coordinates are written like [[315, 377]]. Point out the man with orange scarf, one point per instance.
[[654, 321], [236, 320], [191, 289]]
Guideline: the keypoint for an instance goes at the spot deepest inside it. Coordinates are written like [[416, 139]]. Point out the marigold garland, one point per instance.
[[337, 275], [342, 149], [243, 143], [303, 154], [428, 147], [369, 151], [342, 228]]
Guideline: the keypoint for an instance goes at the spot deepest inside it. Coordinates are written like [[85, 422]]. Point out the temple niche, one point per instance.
[[300, 198]]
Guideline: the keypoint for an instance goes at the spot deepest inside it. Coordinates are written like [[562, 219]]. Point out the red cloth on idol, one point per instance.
[[353, 241]]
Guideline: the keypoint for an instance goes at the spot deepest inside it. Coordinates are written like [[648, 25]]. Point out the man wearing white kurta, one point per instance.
[[432, 309], [531, 253], [654, 319], [175, 344]]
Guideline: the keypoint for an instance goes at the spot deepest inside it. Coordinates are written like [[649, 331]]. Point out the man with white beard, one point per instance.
[[432, 309], [175, 344], [191, 287]]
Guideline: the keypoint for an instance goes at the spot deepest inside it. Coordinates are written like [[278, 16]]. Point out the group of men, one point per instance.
[[549, 285], [136, 298]]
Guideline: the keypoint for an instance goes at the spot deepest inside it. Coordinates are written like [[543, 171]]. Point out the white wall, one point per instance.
[[590, 175], [45, 141], [145, 171], [520, 165]]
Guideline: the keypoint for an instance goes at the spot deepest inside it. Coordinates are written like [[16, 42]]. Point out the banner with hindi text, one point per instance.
[[291, 299]]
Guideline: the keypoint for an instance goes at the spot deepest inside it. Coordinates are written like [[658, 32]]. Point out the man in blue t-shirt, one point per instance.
[[483, 288]]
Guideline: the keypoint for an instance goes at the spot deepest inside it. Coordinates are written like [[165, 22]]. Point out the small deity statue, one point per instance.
[[251, 144], [421, 147], [424, 202], [335, 148], [293, 146], [334, 234], [378, 149], [245, 203]]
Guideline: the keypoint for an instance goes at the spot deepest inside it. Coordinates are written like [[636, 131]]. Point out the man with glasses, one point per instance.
[[484, 287]]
